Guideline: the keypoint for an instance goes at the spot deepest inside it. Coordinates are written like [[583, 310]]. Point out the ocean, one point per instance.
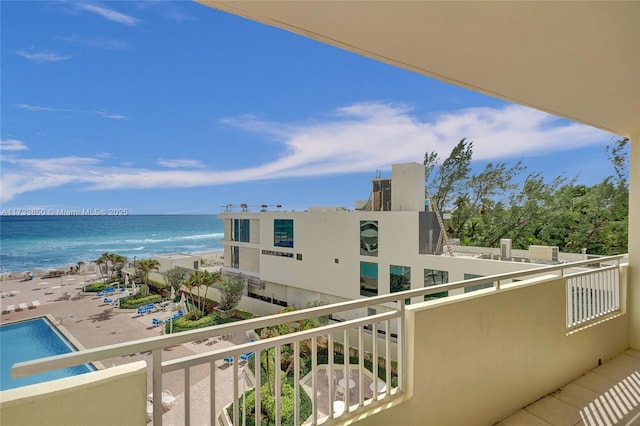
[[30, 243]]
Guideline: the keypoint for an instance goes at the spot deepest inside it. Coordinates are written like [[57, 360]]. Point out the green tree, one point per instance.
[[198, 280], [146, 266], [231, 290], [491, 205], [175, 277], [113, 262], [450, 175]]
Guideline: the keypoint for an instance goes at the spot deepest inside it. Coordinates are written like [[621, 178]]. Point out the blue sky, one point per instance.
[[174, 107]]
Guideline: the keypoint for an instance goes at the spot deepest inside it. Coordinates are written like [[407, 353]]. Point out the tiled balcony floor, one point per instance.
[[607, 395]]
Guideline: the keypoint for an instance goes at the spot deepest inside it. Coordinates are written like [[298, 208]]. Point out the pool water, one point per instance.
[[33, 339]]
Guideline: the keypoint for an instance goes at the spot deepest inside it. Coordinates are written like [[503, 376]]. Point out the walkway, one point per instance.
[[608, 395]]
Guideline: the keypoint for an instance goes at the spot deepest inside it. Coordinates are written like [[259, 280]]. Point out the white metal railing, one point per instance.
[[595, 296], [592, 295]]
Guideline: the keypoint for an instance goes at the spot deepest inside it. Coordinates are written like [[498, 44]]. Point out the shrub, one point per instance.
[[183, 323], [135, 301], [96, 287], [268, 404]]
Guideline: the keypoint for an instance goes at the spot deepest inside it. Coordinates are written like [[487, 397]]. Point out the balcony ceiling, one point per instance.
[[578, 60]]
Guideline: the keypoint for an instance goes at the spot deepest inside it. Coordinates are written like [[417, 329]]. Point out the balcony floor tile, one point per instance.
[[608, 395], [554, 411], [523, 417]]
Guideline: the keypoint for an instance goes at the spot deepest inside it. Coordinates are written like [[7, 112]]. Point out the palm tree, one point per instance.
[[112, 261], [118, 262], [199, 279], [146, 266], [100, 261]]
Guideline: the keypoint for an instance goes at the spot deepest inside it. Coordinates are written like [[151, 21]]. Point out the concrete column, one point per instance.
[[634, 242]]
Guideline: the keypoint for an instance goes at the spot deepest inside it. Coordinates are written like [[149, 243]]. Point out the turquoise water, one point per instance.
[[28, 340], [41, 242]]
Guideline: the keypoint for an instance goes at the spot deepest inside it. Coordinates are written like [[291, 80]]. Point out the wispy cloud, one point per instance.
[[97, 42], [356, 138], [109, 14], [181, 164], [12, 145], [170, 10], [103, 114], [42, 56]]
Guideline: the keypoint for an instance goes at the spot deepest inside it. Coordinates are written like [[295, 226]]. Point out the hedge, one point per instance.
[[185, 324], [96, 287], [134, 302]]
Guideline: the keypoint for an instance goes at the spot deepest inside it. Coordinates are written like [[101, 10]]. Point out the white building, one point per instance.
[[332, 253]]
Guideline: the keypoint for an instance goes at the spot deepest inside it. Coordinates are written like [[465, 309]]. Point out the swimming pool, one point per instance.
[[33, 339]]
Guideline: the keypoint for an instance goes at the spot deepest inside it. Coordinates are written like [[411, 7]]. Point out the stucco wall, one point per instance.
[[479, 360], [115, 396]]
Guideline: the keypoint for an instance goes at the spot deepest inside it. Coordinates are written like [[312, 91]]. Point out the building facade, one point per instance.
[[387, 244]]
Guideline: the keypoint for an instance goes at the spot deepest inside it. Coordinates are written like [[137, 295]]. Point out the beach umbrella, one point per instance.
[[182, 303], [173, 293], [126, 280]]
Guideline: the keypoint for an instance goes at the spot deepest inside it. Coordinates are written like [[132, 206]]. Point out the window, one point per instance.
[[235, 257], [476, 286], [368, 279], [283, 233], [400, 279], [435, 277], [241, 231], [277, 253], [369, 237]]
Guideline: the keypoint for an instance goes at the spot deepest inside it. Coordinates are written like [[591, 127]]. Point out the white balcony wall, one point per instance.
[[115, 396], [478, 360]]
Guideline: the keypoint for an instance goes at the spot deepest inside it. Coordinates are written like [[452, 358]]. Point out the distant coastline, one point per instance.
[[40, 243]]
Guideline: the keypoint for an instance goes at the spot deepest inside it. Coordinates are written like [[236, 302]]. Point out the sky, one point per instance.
[[173, 107]]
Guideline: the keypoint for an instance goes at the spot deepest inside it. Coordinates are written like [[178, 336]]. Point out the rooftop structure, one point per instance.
[[503, 347]]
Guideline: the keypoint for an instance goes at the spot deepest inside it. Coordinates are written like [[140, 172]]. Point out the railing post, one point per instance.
[[212, 392], [156, 373], [187, 396], [276, 388], [296, 379], [374, 331], [401, 348]]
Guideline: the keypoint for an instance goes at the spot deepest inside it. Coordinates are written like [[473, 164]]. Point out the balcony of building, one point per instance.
[[474, 358]]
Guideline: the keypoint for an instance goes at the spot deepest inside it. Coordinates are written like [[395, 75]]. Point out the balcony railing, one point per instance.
[[592, 292]]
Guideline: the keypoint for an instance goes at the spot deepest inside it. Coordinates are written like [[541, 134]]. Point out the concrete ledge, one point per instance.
[[107, 397]]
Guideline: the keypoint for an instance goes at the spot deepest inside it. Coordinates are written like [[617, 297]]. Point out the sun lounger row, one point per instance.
[[146, 309], [243, 357], [176, 315]]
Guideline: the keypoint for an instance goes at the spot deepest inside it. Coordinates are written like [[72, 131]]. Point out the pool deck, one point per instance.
[[91, 323]]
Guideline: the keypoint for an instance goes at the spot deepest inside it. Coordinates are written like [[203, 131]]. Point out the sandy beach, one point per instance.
[[91, 323]]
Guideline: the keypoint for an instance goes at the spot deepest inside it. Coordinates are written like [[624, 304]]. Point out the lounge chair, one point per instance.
[[339, 392], [23, 306], [10, 308], [246, 357], [228, 360], [142, 310], [149, 410], [34, 304], [107, 300], [168, 400], [157, 321]]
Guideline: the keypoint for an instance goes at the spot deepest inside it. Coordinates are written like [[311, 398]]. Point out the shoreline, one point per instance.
[[212, 256]]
